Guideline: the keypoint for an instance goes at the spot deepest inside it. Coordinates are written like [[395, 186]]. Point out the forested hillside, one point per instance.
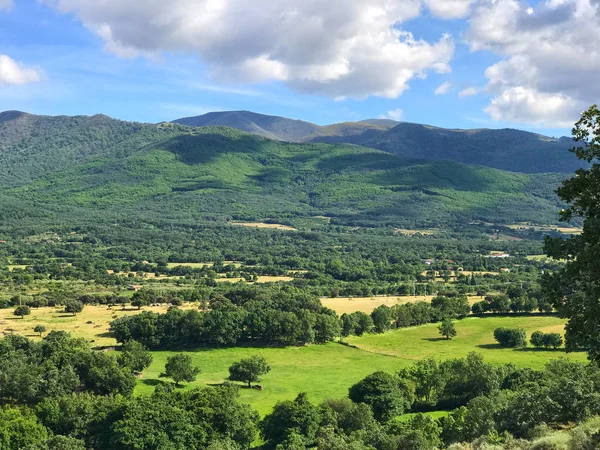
[[506, 149], [96, 165]]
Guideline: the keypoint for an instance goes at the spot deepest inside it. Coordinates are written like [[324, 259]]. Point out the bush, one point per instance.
[[511, 337]]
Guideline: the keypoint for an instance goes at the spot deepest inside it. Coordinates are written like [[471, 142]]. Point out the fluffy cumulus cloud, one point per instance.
[[14, 73], [550, 58], [6, 4], [344, 48]]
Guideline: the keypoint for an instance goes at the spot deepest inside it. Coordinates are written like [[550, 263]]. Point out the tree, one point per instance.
[[40, 329], [22, 311], [382, 318], [553, 340], [249, 370], [574, 289], [537, 339], [447, 328], [288, 418], [179, 367], [73, 306], [383, 393], [20, 429], [135, 356]]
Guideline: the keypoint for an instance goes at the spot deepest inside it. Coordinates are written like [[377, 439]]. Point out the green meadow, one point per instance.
[[327, 371]]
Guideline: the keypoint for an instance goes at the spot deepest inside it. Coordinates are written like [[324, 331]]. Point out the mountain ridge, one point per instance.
[[507, 148]]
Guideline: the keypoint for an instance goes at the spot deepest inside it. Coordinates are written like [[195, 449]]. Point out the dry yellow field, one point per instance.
[[261, 279], [201, 264], [347, 305], [274, 226], [55, 319], [565, 230]]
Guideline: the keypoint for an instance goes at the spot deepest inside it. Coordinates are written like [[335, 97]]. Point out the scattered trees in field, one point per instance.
[[447, 329], [40, 329], [511, 337], [180, 368], [249, 370]]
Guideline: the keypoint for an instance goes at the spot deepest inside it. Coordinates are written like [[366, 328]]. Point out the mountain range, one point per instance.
[[82, 169], [507, 149]]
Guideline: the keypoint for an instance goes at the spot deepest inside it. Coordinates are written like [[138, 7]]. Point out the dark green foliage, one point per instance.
[[298, 417], [574, 288], [22, 311], [382, 318], [384, 393], [134, 356], [547, 340], [249, 370], [74, 307], [511, 337], [41, 329], [180, 368]]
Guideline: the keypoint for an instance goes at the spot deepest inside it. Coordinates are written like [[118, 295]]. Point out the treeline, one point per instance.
[[283, 318], [286, 316], [499, 405]]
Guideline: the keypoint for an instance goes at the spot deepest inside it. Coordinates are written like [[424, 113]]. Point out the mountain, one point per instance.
[[507, 149], [78, 170], [272, 127]]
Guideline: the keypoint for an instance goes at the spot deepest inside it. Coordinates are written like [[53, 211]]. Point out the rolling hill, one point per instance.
[[77, 169], [507, 149]]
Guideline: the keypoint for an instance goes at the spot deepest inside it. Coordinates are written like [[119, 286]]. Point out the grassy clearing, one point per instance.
[[428, 232], [273, 226], [474, 334], [200, 265], [326, 371], [348, 305]]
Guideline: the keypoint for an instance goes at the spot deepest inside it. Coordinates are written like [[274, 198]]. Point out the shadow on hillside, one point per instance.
[[152, 382], [493, 347], [437, 339], [203, 148]]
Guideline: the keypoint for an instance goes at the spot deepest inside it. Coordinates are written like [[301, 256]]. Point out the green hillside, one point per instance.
[[506, 149], [97, 167]]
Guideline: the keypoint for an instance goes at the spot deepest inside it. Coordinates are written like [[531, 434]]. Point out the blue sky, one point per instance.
[[140, 71]]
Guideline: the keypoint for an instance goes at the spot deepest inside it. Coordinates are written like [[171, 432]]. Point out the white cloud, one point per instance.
[[449, 9], [395, 114], [6, 5], [344, 48], [468, 92], [443, 88], [551, 58], [14, 73]]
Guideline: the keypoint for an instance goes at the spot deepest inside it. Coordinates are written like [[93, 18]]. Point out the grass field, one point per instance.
[[321, 370], [329, 370], [473, 334], [348, 305]]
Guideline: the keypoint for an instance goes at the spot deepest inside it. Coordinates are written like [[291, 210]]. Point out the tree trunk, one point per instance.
[[249, 385]]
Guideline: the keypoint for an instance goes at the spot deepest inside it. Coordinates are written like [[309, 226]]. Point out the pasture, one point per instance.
[[325, 371]]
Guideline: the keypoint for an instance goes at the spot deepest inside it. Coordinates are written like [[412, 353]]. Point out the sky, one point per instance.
[[452, 63]]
